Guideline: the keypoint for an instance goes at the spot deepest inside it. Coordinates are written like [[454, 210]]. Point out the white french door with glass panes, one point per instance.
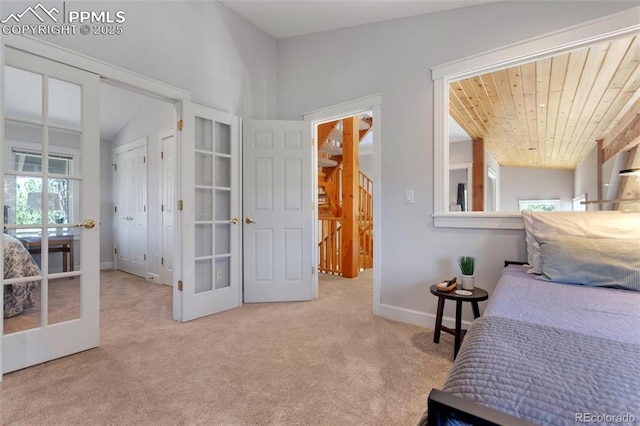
[[210, 277], [51, 203]]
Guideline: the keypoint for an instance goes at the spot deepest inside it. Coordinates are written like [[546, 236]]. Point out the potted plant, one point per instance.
[[468, 268]]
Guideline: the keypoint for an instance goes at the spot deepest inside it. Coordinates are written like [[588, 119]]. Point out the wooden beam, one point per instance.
[[629, 184], [350, 198], [625, 134], [324, 130], [478, 175]]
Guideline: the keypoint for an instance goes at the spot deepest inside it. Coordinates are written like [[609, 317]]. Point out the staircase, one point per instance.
[[330, 193]]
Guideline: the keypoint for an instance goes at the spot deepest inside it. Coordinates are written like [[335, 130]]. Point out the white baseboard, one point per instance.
[[106, 265], [422, 319]]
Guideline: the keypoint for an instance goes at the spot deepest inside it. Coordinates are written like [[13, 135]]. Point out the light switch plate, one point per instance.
[[408, 196]]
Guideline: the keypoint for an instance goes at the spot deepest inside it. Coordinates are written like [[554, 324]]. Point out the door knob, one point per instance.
[[234, 220], [89, 223], [249, 221]]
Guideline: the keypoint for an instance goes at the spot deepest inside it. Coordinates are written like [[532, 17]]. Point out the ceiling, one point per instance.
[[550, 113], [117, 107], [290, 18]]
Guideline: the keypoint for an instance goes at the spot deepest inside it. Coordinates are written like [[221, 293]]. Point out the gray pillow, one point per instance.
[[598, 262]]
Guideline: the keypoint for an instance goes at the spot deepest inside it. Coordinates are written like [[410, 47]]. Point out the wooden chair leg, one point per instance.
[[458, 335]]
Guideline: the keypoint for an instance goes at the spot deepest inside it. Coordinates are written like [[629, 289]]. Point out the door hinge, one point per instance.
[[179, 285], [144, 208], [180, 124], [312, 142], [115, 251], [144, 159], [180, 205], [162, 155], [115, 167], [313, 205], [115, 209], [161, 207], [162, 260], [144, 257]]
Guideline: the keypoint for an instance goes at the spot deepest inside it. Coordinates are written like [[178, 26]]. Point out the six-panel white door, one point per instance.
[[278, 212], [51, 190], [210, 233]]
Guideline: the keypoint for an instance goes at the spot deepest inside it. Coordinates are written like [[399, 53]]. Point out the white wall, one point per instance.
[[394, 58], [225, 61], [461, 152], [366, 164], [519, 183], [586, 176], [153, 117]]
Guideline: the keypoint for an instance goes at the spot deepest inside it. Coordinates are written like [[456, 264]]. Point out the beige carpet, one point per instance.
[[325, 362]]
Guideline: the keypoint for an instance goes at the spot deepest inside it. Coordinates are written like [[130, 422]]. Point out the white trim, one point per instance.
[[344, 109], [130, 146], [112, 73], [560, 41], [421, 319], [106, 265], [480, 220], [368, 103], [548, 44], [1, 192]]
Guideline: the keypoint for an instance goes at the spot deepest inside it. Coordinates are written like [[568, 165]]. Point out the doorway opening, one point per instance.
[[345, 195], [138, 150]]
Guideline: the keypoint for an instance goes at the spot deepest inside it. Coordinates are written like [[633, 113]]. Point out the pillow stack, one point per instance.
[[588, 248]]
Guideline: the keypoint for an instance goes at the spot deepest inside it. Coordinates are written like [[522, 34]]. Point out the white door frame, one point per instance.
[[107, 72], [369, 103]]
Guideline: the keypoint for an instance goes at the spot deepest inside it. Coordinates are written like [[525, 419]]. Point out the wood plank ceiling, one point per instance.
[[550, 113]]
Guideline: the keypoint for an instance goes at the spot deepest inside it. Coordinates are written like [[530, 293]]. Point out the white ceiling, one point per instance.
[[289, 18], [457, 133]]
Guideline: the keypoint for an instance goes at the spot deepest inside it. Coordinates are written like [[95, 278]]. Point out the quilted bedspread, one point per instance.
[[18, 263], [550, 353]]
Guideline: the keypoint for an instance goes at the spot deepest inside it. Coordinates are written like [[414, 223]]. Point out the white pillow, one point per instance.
[[606, 224]]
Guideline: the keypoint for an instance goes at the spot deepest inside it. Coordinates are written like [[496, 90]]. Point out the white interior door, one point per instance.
[[210, 234], [51, 190], [278, 212], [168, 141], [131, 209]]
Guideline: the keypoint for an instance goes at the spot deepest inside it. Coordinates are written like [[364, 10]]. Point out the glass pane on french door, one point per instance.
[[212, 205], [42, 194]]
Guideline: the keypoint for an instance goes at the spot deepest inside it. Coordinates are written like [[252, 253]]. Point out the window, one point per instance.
[[29, 189], [539, 205]]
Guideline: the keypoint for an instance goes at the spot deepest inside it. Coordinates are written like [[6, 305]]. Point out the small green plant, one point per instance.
[[467, 264]]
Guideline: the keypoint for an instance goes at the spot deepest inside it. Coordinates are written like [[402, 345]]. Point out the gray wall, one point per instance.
[[517, 183], [586, 176], [106, 206], [394, 58]]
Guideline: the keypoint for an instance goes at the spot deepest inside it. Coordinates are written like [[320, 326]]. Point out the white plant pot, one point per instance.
[[467, 282]]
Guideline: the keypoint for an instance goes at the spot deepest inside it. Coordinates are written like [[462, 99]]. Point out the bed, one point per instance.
[[559, 341], [18, 263]]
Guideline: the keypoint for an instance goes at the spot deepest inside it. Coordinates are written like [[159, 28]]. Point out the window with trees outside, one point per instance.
[[27, 199]]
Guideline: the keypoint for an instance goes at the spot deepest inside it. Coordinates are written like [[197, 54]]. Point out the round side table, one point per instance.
[[477, 295]]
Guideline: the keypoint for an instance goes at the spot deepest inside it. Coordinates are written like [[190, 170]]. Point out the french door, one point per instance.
[[51, 205], [209, 209]]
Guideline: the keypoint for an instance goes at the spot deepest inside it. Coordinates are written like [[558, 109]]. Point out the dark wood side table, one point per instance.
[[477, 295], [57, 244]]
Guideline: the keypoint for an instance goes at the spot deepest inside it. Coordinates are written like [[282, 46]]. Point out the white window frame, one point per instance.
[[607, 28], [576, 203], [14, 144]]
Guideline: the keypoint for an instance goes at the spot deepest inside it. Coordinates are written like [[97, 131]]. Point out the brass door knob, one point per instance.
[[249, 221], [89, 223], [234, 221]]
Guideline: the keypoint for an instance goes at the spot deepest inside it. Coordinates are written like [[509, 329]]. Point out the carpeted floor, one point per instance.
[[325, 362]]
